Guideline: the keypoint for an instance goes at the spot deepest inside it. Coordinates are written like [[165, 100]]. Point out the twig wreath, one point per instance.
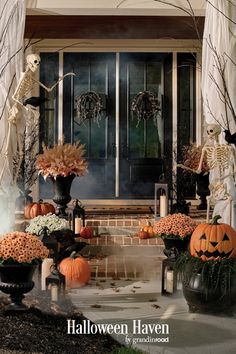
[[88, 106], [145, 105]]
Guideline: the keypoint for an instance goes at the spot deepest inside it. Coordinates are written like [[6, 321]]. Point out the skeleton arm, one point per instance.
[[199, 169], [49, 89]]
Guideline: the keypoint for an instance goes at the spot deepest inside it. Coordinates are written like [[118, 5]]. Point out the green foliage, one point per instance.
[[215, 274]]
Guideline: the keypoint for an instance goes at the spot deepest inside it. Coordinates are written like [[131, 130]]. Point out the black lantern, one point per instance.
[[78, 216], [169, 276], [56, 282]]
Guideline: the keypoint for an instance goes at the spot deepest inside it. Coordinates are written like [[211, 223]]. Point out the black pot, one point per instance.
[[62, 186], [16, 280], [212, 301], [173, 247], [202, 183]]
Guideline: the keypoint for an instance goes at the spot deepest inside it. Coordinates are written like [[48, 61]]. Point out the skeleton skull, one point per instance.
[[33, 61], [213, 131]]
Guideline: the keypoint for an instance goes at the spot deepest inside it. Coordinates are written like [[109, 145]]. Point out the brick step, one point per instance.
[[107, 239], [127, 267], [123, 257], [118, 226]]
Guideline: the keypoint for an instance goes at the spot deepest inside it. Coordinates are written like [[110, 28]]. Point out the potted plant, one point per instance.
[[20, 253], [191, 155], [208, 270], [175, 231], [51, 221], [62, 164]]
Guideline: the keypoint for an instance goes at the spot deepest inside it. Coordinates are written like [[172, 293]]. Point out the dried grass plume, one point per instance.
[[62, 160]]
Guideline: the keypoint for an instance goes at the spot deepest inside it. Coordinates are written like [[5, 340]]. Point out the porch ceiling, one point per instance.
[[111, 7]]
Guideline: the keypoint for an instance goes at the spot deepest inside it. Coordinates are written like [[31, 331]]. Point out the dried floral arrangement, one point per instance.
[[191, 155], [177, 226], [52, 222], [62, 160], [20, 247]]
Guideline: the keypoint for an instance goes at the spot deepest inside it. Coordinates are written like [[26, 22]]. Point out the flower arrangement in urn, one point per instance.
[[175, 226], [20, 253], [21, 248], [52, 222], [61, 164], [62, 160], [175, 230]]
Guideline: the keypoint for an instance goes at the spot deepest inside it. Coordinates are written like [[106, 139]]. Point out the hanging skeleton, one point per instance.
[[24, 86], [145, 105], [88, 106], [221, 160]]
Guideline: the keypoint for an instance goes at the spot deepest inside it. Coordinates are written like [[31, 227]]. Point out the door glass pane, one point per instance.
[[48, 111], [145, 135], [89, 116], [186, 119]]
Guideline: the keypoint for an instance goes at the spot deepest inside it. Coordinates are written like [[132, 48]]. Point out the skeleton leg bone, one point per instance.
[[208, 198]]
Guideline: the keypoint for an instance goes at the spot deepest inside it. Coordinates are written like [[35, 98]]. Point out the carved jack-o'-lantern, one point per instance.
[[213, 241]]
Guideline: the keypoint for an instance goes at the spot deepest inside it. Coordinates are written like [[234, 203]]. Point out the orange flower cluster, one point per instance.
[[62, 160], [175, 225], [21, 247]]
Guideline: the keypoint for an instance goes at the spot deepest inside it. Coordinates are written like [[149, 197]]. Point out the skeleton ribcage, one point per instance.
[[24, 88], [218, 157]]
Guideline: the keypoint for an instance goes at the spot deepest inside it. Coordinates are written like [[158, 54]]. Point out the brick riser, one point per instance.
[[126, 256], [118, 250]]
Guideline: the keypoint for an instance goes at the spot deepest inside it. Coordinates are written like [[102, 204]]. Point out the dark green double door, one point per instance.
[[125, 152]]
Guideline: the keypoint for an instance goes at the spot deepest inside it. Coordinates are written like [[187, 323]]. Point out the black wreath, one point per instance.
[[88, 106], [145, 105]]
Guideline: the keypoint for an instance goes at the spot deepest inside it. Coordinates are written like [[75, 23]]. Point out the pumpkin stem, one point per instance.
[[73, 254], [215, 220]]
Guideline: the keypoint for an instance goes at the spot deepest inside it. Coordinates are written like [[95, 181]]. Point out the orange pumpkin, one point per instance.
[[34, 209], [143, 234], [149, 229], [76, 271], [213, 241]]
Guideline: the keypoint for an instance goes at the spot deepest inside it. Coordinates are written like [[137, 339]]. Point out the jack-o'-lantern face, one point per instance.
[[213, 241]]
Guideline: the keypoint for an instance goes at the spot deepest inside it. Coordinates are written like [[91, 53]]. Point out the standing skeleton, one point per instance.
[[221, 160], [24, 86]]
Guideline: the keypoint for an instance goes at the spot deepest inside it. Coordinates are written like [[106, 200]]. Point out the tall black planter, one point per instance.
[[62, 186], [16, 280], [202, 182]]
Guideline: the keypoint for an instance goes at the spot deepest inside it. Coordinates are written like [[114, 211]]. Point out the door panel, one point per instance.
[[142, 139], [95, 74]]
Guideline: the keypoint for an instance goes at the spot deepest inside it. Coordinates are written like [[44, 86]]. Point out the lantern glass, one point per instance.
[[78, 217], [161, 199]]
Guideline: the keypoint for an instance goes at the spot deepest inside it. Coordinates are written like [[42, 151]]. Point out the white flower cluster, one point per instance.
[[52, 222]]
